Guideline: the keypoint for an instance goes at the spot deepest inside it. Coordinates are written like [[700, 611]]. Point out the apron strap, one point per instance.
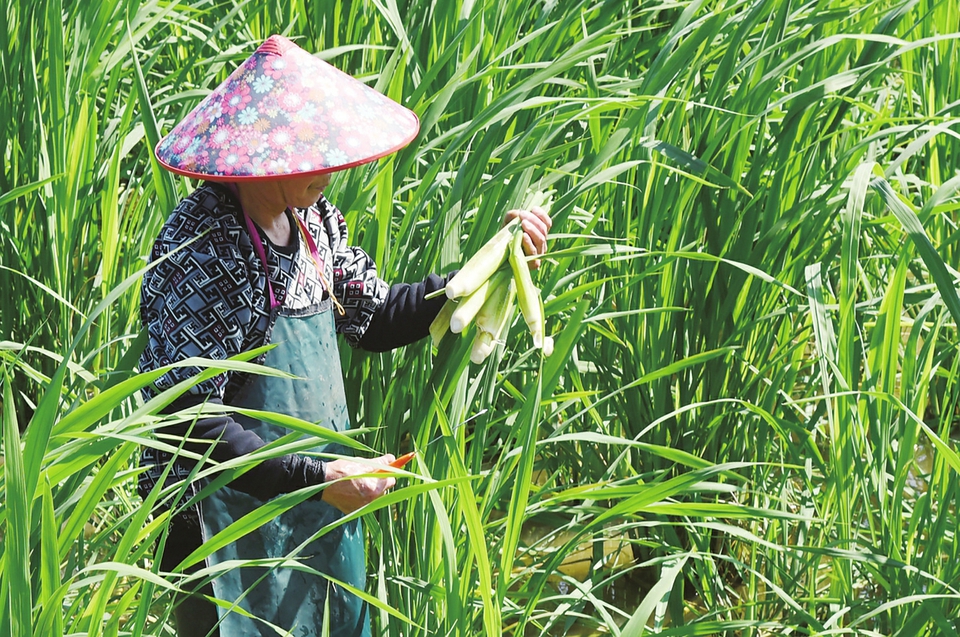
[[258, 246], [315, 254], [262, 254]]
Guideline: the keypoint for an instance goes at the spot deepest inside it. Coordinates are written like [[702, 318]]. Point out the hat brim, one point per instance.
[[274, 177], [284, 113]]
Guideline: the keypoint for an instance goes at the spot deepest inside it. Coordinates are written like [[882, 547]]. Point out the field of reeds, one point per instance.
[[749, 424]]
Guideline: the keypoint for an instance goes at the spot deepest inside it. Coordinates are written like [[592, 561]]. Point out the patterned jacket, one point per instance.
[[209, 298]]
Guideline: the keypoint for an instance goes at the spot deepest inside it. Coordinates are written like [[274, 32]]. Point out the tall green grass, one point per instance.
[[751, 287]]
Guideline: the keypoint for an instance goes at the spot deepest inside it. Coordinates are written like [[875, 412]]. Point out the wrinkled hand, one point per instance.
[[536, 224], [350, 495]]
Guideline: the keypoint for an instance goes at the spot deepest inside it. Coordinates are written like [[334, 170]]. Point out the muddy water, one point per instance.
[[628, 591], [617, 549], [625, 593], [923, 456]]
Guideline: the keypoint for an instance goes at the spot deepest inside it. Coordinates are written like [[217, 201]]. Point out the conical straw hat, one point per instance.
[[282, 113]]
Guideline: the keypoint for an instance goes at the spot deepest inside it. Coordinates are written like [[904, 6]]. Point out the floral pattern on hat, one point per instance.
[[284, 112]]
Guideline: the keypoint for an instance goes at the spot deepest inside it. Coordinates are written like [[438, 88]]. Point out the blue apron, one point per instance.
[[306, 346]]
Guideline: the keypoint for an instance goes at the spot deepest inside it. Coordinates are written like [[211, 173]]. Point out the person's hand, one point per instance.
[[350, 495], [536, 224]]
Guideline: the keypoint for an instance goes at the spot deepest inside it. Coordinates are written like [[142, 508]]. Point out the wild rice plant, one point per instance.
[[751, 287]]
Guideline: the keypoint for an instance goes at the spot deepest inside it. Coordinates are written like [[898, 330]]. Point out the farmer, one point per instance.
[[268, 263]]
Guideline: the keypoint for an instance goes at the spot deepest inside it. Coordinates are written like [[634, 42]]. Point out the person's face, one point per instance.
[[303, 192]]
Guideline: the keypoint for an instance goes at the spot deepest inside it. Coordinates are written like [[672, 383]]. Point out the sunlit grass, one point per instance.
[[751, 288]]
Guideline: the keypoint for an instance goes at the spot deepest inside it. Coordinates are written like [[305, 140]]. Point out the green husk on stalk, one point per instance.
[[441, 322], [470, 305], [493, 319], [528, 295], [495, 310], [481, 266]]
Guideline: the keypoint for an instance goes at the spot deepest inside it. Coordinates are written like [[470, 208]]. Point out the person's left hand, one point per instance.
[[536, 224]]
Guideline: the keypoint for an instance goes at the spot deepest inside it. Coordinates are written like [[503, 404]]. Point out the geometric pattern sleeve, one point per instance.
[[355, 281], [195, 305], [197, 302]]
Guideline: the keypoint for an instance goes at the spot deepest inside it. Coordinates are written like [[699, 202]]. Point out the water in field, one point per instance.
[[627, 591], [923, 456], [616, 551]]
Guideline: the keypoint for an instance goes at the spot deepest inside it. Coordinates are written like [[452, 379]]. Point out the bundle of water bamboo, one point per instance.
[[485, 289]]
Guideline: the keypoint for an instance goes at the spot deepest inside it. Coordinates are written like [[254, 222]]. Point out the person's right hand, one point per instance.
[[350, 495]]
